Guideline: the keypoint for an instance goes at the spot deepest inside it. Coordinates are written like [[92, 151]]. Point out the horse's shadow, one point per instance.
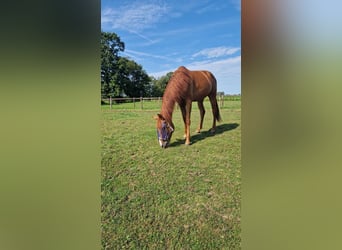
[[204, 134]]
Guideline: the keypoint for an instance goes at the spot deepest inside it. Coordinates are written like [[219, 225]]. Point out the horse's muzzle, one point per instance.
[[163, 143]]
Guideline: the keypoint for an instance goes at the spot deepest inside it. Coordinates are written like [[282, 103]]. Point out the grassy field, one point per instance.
[[182, 197]]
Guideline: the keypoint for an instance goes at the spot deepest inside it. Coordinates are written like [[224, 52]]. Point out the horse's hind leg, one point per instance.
[[202, 113]]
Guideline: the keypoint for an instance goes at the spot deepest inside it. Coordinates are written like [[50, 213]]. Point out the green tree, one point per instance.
[[111, 45], [132, 78], [159, 85]]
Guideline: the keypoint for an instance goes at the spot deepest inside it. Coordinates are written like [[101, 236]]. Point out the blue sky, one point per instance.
[[163, 35]]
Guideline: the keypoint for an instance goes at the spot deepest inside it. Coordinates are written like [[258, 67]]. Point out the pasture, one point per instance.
[[181, 197]]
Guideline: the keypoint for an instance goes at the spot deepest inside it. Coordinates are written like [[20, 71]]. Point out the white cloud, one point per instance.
[[134, 17], [225, 67], [149, 41], [143, 54], [216, 52], [208, 8]]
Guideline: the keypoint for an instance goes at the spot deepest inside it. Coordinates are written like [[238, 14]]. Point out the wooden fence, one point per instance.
[[139, 101]]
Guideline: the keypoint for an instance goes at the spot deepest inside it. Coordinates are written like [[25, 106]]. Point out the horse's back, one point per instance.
[[202, 82]]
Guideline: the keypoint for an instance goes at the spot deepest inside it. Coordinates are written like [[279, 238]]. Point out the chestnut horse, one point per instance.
[[184, 87]]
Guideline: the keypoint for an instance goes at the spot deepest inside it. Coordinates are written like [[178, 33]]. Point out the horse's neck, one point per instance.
[[168, 106]]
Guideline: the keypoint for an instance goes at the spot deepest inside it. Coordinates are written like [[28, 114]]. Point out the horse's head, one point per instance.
[[164, 131]]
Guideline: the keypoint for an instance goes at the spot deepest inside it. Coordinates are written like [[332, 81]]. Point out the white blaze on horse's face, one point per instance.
[[163, 143]]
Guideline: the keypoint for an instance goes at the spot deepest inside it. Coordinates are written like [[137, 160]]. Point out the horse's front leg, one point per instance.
[[187, 122], [183, 110]]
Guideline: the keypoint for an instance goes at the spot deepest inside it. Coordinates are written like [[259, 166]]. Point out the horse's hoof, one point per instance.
[[212, 131], [198, 131], [187, 143]]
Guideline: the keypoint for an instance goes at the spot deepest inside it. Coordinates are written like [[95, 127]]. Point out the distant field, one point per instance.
[[182, 197]]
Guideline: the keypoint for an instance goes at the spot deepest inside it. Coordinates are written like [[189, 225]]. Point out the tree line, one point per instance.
[[123, 77]]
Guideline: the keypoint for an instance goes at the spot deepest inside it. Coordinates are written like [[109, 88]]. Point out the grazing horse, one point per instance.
[[184, 87]]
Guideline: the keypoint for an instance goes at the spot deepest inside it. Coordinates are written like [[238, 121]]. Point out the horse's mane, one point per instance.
[[174, 91]]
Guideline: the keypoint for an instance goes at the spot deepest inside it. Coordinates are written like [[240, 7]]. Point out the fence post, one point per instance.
[[141, 102], [133, 102], [110, 102]]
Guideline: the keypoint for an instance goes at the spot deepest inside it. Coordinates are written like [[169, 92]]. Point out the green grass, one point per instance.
[[182, 197]]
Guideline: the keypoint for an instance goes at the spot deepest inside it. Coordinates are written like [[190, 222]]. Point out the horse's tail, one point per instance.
[[216, 110], [213, 100]]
